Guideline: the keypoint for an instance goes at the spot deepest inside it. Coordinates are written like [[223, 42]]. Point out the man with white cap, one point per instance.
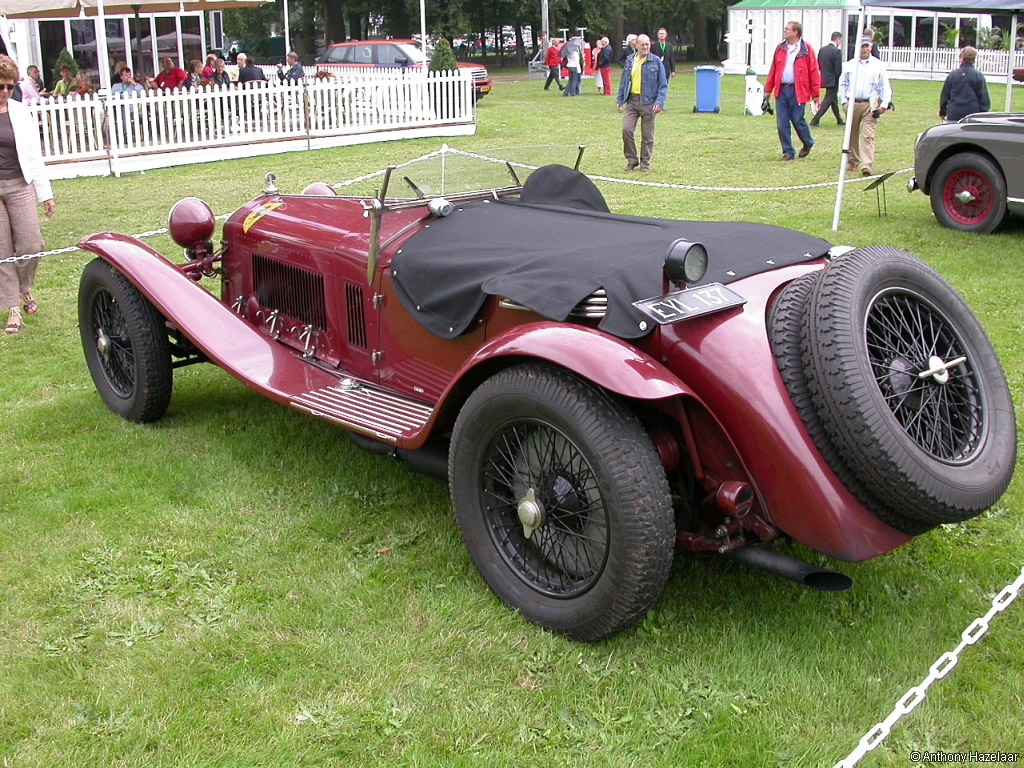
[[864, 89]]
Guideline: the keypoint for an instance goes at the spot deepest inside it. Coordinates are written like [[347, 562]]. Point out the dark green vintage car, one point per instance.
[[973, 170]]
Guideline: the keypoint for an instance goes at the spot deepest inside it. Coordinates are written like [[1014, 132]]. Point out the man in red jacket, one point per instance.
[[553, 60], [794, 80]]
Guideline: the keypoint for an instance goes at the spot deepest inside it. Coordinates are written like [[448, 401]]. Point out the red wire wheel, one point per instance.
[[969, 193]]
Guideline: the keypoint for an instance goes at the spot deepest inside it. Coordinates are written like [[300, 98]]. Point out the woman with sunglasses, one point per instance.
[[21, 169]]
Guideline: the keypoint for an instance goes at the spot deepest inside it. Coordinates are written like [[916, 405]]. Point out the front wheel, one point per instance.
[[125, 344], [562, 501], [968, 193]]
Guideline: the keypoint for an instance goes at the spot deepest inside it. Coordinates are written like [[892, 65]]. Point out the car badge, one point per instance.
[[258, 214]]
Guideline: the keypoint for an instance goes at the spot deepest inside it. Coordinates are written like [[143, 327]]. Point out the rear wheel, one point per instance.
[[562, 501], [125, 344], [968, 193]]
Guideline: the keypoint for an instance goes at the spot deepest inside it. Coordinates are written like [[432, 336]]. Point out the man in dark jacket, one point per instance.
[[965, 91], [247, 72], [627, 50], [830, 64], [663, 50]]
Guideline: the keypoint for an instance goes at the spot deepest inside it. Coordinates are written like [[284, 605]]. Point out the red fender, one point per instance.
[[220, 334], [609, 362]]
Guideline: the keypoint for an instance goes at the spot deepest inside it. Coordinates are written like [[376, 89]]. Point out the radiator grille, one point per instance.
[[354, 313], [296, 292]]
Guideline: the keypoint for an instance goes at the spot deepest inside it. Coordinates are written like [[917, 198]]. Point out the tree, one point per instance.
[[65, 59], [443, 59]]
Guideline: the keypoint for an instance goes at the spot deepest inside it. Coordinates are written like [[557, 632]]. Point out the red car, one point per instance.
[[392, 53], [644, 386]]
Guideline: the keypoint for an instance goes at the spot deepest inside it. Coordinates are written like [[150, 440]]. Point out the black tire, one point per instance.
[[968, 193], [938, 448], [602, 551], [125, 344], [786, 319]]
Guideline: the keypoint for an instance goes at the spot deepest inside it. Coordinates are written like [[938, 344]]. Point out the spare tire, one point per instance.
[[786, 319], [908, 386]]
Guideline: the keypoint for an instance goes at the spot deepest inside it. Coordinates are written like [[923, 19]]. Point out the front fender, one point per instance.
[[611, 363], [226, 339]]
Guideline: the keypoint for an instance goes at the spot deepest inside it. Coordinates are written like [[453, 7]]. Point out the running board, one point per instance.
[[366, 409]]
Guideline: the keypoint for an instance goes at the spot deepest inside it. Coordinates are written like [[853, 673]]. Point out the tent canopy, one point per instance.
[[63, 9], [953, 6]]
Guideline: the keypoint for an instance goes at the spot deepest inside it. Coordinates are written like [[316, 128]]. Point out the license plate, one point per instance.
[[693, 302]]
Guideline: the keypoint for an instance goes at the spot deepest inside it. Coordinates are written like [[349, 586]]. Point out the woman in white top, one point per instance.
[[23, 182]]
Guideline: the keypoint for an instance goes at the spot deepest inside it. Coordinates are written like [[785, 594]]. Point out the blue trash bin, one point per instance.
[[709, 86]]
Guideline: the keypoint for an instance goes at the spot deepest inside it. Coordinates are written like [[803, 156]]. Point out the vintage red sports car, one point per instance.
[[643, 386]]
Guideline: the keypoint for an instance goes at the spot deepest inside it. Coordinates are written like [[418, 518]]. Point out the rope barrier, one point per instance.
[[446, 150]]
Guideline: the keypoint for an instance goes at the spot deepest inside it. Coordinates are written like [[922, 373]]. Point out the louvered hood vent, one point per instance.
[[295, 292]]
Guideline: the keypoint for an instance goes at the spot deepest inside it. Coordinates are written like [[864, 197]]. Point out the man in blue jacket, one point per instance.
[[642, 91]]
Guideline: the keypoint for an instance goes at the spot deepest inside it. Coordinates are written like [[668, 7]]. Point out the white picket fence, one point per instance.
[[943, 60], [189, 125]]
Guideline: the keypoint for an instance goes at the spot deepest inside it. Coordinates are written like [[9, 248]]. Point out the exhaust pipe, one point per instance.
[[787, 567], [430, 460]]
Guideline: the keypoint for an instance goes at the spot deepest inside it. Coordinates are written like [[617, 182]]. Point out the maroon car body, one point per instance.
[[298, 321]]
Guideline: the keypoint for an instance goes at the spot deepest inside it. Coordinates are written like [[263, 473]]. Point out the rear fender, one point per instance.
[[618, 367], [609, 362]]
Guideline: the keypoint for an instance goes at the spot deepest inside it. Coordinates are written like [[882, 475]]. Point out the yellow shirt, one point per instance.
[[634, 76]]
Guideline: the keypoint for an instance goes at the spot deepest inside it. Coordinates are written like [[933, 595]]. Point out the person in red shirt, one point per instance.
[[794, 80], [170, 76], [553, 60]]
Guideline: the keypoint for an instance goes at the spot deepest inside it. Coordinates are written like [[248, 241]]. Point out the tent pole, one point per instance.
[[848, 128], [103, 60], [137, 66], [1010, 63], [287, 31]]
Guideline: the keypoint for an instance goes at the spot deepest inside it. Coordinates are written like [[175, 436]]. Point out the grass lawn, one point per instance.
[[237, 585]]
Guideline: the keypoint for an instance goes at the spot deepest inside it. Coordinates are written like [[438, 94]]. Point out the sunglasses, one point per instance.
[[7, 86]]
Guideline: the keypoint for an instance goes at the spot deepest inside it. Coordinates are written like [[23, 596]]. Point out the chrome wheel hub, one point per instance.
[[531, 513], [938, 369], [965, 197], [103, 344]]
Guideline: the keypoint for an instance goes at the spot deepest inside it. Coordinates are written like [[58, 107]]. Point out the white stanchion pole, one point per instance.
[[1010, 62], [848, 128]]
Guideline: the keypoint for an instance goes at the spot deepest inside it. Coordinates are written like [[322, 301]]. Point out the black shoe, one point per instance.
[[814, 124], [841, 122]]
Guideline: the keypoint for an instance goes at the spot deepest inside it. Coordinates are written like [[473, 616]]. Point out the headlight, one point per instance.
[[685, 262]]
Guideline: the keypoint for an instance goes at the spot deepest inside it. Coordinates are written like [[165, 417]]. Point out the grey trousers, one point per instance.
[[19, 234], [633, 111]]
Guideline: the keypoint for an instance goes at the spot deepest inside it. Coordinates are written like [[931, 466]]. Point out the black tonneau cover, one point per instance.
[[550, 257]]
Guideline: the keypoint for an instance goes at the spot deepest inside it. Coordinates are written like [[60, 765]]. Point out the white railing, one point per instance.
[[944, 60], [92, 127]]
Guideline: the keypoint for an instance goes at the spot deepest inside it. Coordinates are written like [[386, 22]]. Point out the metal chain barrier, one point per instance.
[[942, 667]]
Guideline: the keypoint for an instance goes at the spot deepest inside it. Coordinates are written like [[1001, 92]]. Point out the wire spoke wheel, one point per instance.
[[114, 345], [968, 197], [968, 193], [943, 413], [125, 343], [908, 386], [562, 501], [566, 553]]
